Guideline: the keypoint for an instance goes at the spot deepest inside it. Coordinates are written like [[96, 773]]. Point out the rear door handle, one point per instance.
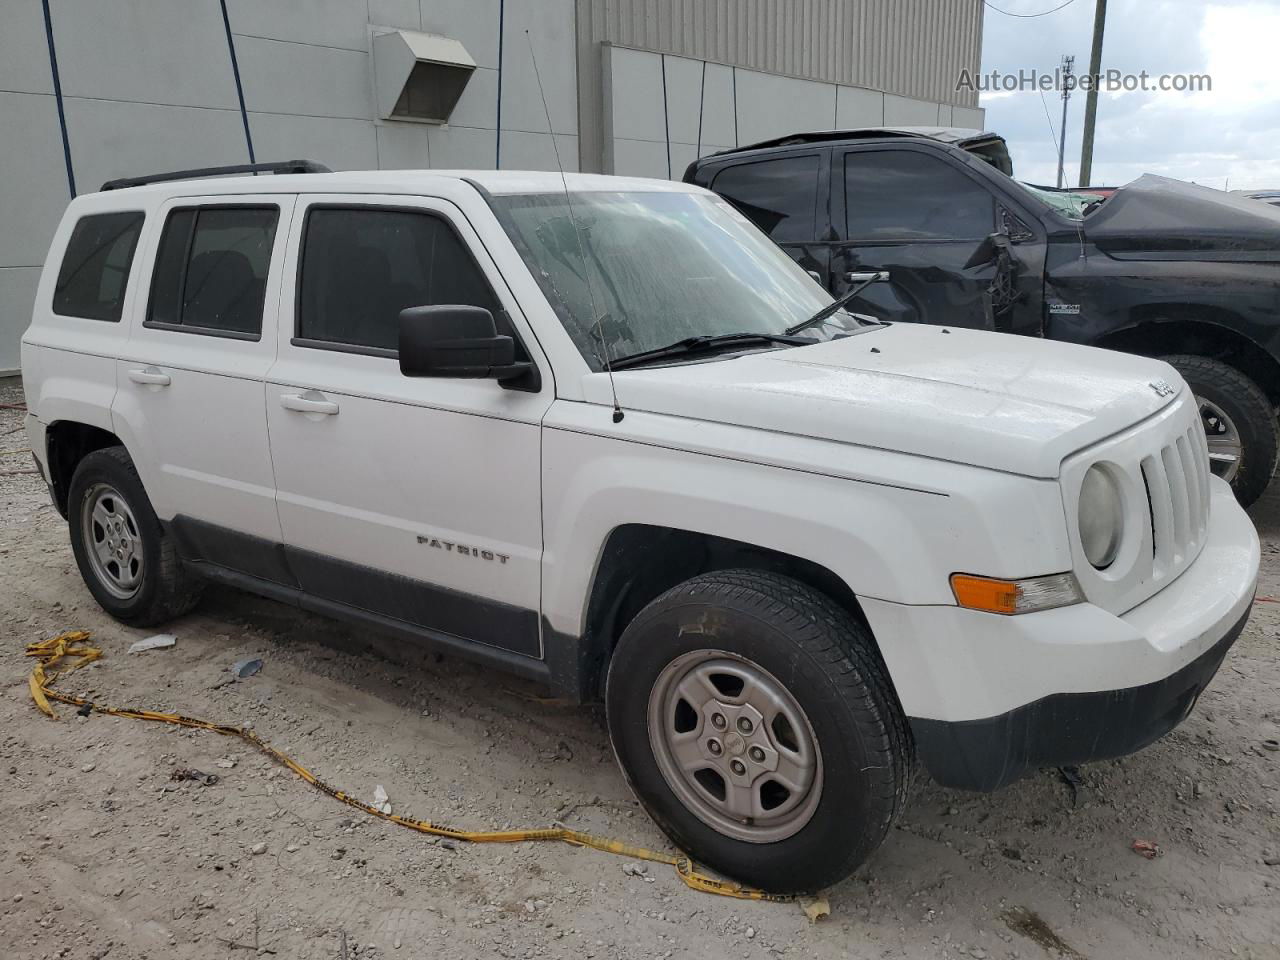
[[315, 403], [866, 276], [150, 376]]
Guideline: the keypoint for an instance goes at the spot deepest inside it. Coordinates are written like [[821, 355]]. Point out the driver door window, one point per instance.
[[361, 266]]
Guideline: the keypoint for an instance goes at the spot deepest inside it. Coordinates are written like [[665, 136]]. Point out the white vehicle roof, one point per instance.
[[403, 182]]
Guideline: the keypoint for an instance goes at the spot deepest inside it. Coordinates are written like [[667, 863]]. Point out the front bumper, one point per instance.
[[1064, 728], [991, 698]]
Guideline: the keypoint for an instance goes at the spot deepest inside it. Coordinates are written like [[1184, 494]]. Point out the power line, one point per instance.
[[1028, 16], [1049, 120]]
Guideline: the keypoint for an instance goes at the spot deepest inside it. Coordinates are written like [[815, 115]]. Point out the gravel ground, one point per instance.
[[104, 855]]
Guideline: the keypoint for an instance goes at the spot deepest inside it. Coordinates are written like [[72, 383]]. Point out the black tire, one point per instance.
[[828, 663], [165, 590], [1250, 411]]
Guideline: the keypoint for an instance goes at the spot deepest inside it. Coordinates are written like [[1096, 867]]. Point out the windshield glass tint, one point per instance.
[[662, 266]]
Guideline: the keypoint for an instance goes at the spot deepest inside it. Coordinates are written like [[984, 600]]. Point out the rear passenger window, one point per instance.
[[362, 266], [95, 268], [211, 269], [778, 196]]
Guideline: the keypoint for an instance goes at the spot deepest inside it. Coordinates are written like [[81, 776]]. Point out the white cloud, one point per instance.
[[1239, 43], [1231, 133]]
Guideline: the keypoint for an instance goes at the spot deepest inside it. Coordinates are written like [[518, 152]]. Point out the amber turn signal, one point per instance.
[[1008, 597]]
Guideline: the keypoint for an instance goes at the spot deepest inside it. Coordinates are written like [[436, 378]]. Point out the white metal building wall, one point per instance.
[[149, 85], [910, 49]]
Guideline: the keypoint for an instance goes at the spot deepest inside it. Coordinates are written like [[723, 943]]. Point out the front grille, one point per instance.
[[1177, 485], [1162, 467]]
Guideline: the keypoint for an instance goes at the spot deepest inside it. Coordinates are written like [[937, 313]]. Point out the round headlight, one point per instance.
[[1101, 517]]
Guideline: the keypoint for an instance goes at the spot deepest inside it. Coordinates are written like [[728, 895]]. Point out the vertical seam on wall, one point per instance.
[[666, 120], [702, 99], [497, 142], [57, 96], [736, 141], [235, 72]]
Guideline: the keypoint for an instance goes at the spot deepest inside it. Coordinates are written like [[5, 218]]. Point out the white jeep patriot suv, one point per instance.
[[600, 432]]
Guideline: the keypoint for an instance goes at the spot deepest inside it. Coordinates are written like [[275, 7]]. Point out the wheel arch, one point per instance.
[[1163, 329], [67, 443], [638, 562]]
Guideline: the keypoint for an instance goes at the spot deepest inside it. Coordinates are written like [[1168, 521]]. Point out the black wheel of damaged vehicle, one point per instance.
[[756, 723], [1239, 422], [128, 562]]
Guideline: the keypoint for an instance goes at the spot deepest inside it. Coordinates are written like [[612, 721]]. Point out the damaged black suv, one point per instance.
[[1159, 268]]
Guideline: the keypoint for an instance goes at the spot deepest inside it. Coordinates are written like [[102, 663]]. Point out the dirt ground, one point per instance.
[[103, 855]]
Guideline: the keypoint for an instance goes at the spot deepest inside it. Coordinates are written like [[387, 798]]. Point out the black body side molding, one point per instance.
[[474, 627]]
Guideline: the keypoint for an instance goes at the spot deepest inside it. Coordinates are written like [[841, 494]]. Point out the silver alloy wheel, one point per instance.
[[1225, 446], [735, 746], [112, 541]]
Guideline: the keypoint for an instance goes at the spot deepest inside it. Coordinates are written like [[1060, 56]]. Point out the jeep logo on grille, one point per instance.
[[1162, 388]]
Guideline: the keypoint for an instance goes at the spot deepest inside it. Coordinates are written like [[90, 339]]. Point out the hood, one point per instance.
[[1158, 218], [1009, 403]]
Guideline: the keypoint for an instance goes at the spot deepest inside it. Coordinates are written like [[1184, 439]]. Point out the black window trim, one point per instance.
[[186, 263], [53, 301], [383, 352], [839, 200]]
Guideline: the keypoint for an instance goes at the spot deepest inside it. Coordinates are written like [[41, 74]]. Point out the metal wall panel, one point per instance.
[[913, 49]]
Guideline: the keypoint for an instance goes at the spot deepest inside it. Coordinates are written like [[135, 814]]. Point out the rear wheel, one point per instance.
[[1239, 422], [128, 562], [757, 725]]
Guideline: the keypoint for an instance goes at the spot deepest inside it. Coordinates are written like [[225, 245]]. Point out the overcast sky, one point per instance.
[[1232, 132]]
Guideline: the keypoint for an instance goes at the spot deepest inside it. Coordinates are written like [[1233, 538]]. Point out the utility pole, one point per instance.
[[1068, 63], [1091, 96]]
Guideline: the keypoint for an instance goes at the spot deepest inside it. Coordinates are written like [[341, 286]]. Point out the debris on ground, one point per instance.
[[1031, 925], [380, 799], [815, 908], [243, 669], [157, 642], [1071, 777], [1147, 848], [190, 773]]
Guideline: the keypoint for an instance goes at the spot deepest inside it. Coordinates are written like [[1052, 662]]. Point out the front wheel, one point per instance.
[[756, 723], [1239, 423]]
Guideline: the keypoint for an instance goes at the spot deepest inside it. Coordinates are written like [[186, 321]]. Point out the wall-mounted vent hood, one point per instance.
[[419, 76]]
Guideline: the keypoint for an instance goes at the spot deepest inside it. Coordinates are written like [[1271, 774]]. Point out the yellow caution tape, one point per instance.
[[50, 653]]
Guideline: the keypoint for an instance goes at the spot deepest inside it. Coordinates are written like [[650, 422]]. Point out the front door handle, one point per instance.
[[867, 276], [150, 376], [309, 402]]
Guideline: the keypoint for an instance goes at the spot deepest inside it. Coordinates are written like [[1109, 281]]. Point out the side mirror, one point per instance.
[[989, 250], [457, 341]]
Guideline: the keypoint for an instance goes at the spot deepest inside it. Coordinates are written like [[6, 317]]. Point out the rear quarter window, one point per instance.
[[95, 268]]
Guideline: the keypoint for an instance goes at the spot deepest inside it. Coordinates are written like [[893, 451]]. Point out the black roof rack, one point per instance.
[[285, 166]]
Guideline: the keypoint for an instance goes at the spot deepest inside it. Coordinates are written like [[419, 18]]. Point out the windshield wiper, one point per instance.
[[706, 344], [835, 306]]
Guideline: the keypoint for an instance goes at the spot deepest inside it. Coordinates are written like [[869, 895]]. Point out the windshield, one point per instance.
[[662, 266], [1070, 205]]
